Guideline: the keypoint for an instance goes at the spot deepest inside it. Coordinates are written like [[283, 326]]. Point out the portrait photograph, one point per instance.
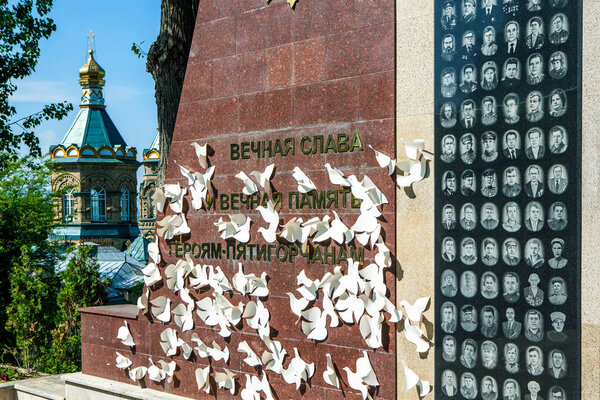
[[535, 69], [534, 216], [557, 364], [489, 249], [448, 148], [557, 291], [511, 144], [490, 11], [469, 43], [489, 388], [511, 217], [557, 393], [449, 19], [449, 348], [534, 296], [489, 354], [468, 81], [489, 75], [511, 182], [558, 216], [489, 115], [558, 140], [448, 249], [559, 31], [534, 106], [449, 217], [511, 358], [511, 108], [489, 45], [468, 251], [489, 184], [448, 87], [489, 322], [511, 73], [468, 217], [449, 383], [489, 285], [449, 185], [468, 148], [468, 319], [534, 144], [558, 179], [534, 5], [511, 287], [449, 284], [535, 38], [448, 115], [468, 183], [449, 319], [489, 146], [511, 390], [468, 386], [534, 181], [534, 253], [469, 11], [489, 216], [558, 260], [535, 360], [448, 47], [557, 103], [511, 253], [557, 334], [534, 326], [468, 284], [512, 39], [511, 327], [557, 65], [467, 114], [534, 388], [468, 354]]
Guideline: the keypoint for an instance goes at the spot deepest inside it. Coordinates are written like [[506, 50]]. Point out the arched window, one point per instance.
[[151, 208], [68, 208], [98, 198], [124, 204]]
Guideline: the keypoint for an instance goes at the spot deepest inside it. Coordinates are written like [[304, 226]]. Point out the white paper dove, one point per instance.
[[254, 386], [264, 178], [298, 371], [329, 376], [331, 281], [411, 379], [350, 308], [307, 287], [175, 193], [314, 324], [249, 185], [217, 353], [305, 185], [169, 341], [124, 335], [143, 302], [352, 282], [271, 217], [201, 188], [251, 357], [413, 171], [183, 317], [297, 305], [336, 176], [250, 284], [383, 257], [292, 231], [172, 225], [415, 311], [363, 377], [161, 308], [273, 358], [217, 280], [415, 335], [154, 251], [317, 229], [339, 232], [203, 379], [151, 274], [186, 173], [156, 374], [122, 362], [226, 380], [138, 373], [238, 227], [159, 199], [385, 161], [198, 278], [414, 149], [168, 368], [201, 153], [370, 329], [257, 317]]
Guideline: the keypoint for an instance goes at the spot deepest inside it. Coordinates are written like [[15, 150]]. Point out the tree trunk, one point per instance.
[[167, 60]]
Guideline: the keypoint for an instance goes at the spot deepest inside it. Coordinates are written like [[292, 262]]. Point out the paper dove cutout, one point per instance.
[[352, 282], [156, 374], [124, 335], [186, 173], [314, 324], [183, 317], [308, 288], [217, 353], [415, 335], [254, 386], [201, 187], [159, 199], [336, 176], [273, 358], [169, 341], [172, 225], [137, 373], [271, 217], [383, 257], [317, 229], [305, 185], [370, 329], [350, 308], [250, 284], [249, 186], [339, 232], [251, 357], [238, 228], [151, 274], [264, 178], [297, 305], [217, 280], [298, 370], [363, 377], [329, 376], [413, 171], [411, 379], [201, 152], [143, 302], [168, 368], [154, 251], [203, 379], [175, 193], [161, 308], [122, 361], [413, 149], [415, 311], [226, 380], [257, 317], [385, 161], [292, 231]]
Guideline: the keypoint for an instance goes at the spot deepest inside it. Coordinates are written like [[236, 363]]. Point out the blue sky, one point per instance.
[[129, 89]]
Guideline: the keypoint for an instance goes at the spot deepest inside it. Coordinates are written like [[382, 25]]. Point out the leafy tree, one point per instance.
[[23, 23]]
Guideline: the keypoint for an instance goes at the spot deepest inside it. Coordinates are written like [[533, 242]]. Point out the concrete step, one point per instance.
[[47, 388]]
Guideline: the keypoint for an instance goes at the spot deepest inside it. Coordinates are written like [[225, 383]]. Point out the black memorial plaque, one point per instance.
[[508, 199]]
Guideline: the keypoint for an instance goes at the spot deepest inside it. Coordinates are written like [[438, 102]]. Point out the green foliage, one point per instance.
[[23, 23], [138, 51]]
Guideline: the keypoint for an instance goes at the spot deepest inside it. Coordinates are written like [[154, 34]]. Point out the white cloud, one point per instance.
[[42, 91], [47, 139]]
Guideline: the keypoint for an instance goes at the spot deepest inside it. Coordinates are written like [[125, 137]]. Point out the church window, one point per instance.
[[124, 204], [98, 198], [68, 206]]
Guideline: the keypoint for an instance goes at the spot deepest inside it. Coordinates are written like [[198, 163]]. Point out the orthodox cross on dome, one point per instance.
[[91, 40]]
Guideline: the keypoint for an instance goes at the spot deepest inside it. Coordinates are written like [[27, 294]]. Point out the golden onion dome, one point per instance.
[[91, 73]]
